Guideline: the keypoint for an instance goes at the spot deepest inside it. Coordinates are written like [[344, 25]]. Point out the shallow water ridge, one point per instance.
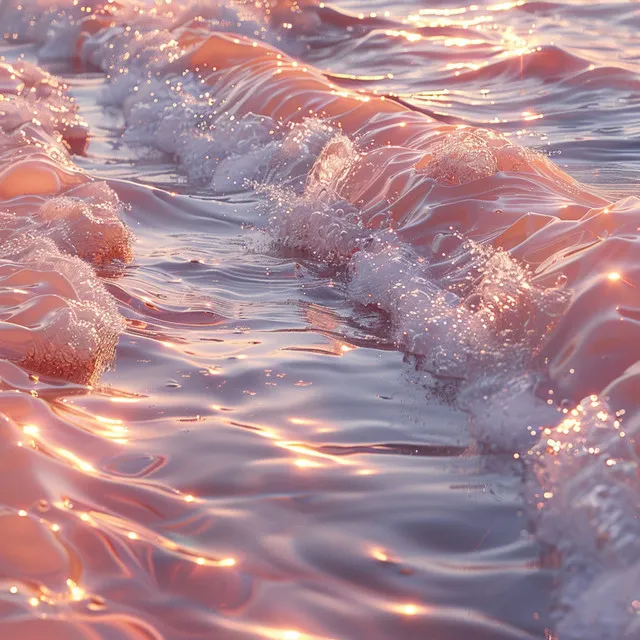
[[320, 320]]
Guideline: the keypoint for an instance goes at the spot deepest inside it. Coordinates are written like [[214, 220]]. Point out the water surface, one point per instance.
[[277, 451]]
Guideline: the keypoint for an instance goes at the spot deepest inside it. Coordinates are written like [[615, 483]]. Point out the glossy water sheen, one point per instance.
[[334, 341]]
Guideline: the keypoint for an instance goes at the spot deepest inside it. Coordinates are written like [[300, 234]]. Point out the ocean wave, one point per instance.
[[58, 226], [500, 273]]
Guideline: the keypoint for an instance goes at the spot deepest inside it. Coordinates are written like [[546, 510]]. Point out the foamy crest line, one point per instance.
[[56, 318]]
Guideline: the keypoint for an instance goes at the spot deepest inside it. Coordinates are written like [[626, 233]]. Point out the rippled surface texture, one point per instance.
[[320, 321]]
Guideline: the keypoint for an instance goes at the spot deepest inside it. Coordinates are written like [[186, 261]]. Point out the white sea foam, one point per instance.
[[56, 225]]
